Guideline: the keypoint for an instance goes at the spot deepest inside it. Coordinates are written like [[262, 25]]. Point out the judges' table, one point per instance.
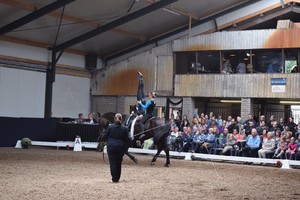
[[69, 131]]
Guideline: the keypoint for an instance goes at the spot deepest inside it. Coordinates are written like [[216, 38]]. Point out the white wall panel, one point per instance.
[[70, 96], [22, 93]]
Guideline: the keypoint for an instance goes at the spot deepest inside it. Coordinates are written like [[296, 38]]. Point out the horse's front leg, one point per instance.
[[167, 151], [155, 156]]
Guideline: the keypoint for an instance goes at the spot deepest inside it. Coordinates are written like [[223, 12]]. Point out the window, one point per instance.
[[208, 61], [236, 57], [184, 62], [291, 60], [267, 61]]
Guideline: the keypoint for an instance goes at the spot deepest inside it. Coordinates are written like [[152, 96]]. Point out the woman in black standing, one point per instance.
[[117, 138]]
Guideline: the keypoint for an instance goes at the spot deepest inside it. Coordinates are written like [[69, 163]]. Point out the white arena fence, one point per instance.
[[285, 164]]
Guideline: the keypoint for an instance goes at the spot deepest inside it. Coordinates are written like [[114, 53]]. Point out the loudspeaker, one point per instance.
[[91, 61]]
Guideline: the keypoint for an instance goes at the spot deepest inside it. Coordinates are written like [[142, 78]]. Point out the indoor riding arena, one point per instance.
[[202, 97], [43, 173]]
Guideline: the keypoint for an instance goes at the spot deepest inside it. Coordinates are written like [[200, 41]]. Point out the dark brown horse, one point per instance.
[[155, 128]]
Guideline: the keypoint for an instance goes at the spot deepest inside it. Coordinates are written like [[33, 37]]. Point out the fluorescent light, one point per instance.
[[230, 101], [171, 11], [289, 102]]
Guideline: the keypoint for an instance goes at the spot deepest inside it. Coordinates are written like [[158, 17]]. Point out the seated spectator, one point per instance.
[[242, 129], [192, 135], [208, 142], [267, 146], [252, 145], [292, 148], [185, 122], [247, 122], [196, 122], [262, 127], [274, 66], [231, 142], [219, 120], [222, 126], [228, 122], [241, 68], [185, 140], [298, 129], [236, 135], [281, 124], [178, 142], [91, 119], [263, 136], [274, 126], [80, 119], [172, 122], [225, 135], [281, 148], [298, 144], [271, 121], [249, 128], [232, 125], [216, 131], [292, 126], [261, 118], [277, 136], [226, 67], [288, 136], [198, 140], [172, 137], [240, 123], [285, 130]]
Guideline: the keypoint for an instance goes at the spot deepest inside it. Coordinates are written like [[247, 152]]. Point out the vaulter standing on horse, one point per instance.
[[140, 96], [148, 107]]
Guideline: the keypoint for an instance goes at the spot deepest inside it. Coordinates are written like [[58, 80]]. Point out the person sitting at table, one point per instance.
[[80, 119], [91, 119]]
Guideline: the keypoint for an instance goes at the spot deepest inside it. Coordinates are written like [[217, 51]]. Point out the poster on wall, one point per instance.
[[278, 84]]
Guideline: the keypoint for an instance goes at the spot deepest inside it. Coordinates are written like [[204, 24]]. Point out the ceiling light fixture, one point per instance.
[[230, 101], [289, 102], [171, 11]]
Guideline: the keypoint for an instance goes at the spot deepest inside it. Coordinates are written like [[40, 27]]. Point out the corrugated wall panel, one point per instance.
[[122, 78], [250, 39], [164, 75], [235, 86]]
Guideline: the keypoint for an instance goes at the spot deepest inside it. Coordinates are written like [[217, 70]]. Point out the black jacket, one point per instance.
[[116, 135]]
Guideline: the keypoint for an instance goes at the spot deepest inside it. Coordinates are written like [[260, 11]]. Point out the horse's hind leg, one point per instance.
[[131, 157], [155, 156], [167, 151]]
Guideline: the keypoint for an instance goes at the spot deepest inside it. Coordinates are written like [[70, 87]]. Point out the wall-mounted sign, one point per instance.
[[278, 84]]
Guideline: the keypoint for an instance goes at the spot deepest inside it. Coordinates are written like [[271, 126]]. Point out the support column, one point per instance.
[[247, 105], [188, 107], [48, 93]]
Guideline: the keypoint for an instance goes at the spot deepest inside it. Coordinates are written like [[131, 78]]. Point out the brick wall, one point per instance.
[[246, 108], [188, 107]]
